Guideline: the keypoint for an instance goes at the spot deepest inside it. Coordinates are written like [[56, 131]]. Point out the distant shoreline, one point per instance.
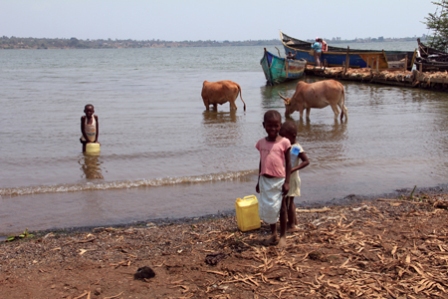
[[12, 43]]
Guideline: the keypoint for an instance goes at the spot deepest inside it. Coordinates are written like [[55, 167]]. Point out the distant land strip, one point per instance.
[[74, 43]]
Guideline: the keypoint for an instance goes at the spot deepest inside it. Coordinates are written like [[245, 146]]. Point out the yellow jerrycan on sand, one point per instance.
[[247, 216], [93, 148]]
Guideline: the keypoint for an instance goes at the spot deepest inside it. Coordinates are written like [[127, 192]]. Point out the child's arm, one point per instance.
[[257, 188], [285, 187], [82, 128], [305, 162], [97, 128]]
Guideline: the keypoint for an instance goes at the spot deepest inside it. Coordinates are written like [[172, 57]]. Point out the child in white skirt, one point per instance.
[[273, 178]]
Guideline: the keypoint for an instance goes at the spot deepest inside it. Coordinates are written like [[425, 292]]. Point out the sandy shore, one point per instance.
[[381, 248]]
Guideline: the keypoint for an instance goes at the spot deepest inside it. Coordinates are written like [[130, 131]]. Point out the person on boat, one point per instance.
[[290, 56], [324, 45], [89, 126], [317, 51]]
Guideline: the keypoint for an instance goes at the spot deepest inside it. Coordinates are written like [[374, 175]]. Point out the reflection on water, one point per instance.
[[318, 132], [271, 99], [221, 128], [270, 94], [324, 143], [221, 132], [91, 167], [211, 116]]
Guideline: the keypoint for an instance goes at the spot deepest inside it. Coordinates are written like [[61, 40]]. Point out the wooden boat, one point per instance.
[[426, 51], [336, 56], [277, 69], [430, 59]]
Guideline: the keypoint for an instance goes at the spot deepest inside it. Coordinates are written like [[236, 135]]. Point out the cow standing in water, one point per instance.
[[221, 92], [317, 95]]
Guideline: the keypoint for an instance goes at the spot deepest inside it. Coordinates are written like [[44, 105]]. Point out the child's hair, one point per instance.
[[88, 105], [272, 114], [288, 127]]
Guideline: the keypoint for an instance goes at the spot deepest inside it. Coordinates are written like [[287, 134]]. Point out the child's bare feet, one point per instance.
[[291, 229], [282, 242], [273, 240]]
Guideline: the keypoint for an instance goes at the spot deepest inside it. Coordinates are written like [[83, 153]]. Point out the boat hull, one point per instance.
[[430, 59], [277, 69], [336, 56]]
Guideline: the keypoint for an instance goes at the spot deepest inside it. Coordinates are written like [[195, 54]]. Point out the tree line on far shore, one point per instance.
[[74, 43]]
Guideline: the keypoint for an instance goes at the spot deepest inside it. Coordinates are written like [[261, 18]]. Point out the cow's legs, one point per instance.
[[215, 107], [308, 110], [232, 105], [335, 110], [343, 111], [206, 104]]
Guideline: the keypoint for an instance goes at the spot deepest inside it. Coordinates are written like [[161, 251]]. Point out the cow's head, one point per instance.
[[286, 100], [289, 109]]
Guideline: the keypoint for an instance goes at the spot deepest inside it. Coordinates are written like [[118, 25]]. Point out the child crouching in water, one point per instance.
[[273, 177], [289, 130]]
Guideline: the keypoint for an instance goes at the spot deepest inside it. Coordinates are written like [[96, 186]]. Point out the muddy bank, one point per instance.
[[387, 248]]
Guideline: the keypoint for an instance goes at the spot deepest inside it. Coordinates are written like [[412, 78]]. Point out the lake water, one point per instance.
[[164, 156]]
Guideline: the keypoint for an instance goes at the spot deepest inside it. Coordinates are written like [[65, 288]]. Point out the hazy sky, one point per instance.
[[233, 20]]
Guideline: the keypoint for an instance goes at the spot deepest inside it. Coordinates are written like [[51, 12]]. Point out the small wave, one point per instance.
[[93, 186]]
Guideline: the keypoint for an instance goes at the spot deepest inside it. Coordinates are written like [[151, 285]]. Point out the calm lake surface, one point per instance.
[[164, 156]]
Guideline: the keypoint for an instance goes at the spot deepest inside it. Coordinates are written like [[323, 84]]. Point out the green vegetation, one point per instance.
[[74, 43], [438, 23], [23, 235]]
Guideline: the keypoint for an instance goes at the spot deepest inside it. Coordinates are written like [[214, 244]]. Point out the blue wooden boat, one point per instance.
[[336, 56], [277, 69]]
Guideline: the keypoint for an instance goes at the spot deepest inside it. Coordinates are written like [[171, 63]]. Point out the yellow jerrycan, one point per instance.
[[247, 216], [93, 148]]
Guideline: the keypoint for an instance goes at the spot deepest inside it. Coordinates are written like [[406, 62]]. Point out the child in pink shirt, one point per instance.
[[273, 178]]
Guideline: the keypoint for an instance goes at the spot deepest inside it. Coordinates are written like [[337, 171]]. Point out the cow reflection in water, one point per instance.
[[91, 167], [325, 141], [219, 117], [219, 127], [320, 131]]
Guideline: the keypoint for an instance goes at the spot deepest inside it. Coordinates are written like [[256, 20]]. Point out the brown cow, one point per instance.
[[221, 92], [317, 95]]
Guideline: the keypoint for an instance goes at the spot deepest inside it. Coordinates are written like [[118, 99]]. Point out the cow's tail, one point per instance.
[[241, 96], [342, 105]]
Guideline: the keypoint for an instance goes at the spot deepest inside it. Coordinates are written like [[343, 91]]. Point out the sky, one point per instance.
[[232, 20]]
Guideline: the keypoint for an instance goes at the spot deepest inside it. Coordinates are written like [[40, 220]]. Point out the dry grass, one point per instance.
[[384, 248]]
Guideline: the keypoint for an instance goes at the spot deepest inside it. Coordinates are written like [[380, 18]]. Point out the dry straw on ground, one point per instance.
[[384, 248], [399, 77]]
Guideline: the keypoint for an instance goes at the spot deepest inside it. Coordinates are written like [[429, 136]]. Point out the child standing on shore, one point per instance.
[[273, 176], [289, 130], [89, 126]]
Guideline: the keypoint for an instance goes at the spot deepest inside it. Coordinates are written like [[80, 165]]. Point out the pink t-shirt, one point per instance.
[[272, 156]]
